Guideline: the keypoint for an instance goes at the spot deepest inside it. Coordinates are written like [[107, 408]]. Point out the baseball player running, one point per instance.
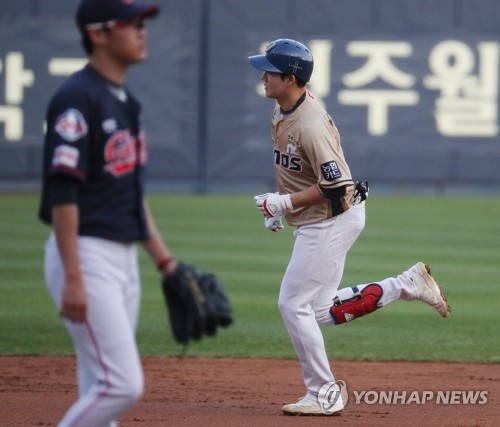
[[93, 197], [318, 196]]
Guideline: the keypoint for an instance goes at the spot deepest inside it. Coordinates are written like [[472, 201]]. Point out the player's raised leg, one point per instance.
[[416, 283]]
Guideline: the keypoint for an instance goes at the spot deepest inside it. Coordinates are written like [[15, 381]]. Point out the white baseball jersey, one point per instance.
[[307, 151]]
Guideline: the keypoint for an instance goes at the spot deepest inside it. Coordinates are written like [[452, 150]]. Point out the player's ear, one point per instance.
[[97, 36]]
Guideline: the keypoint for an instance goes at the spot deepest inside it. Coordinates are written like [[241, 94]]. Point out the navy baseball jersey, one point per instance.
[[95, 139]]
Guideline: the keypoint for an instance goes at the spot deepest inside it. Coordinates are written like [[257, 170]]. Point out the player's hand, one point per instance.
[[259, 199], [273, 204], [274, 223], [74, 301], [262, 197], [169, 268]]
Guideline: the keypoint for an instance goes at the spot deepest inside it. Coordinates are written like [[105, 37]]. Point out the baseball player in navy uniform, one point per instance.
[[318, 196], [93, 197]]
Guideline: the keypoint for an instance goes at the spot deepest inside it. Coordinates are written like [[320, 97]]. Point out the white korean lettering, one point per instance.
[[468, 102], [378, 66], [16, 78], [65, 66]]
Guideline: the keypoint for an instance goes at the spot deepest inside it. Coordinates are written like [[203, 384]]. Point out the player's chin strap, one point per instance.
[[361, 303]]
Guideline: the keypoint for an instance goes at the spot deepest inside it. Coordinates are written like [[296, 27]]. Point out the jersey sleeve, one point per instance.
[[321, 144], [67, 138]]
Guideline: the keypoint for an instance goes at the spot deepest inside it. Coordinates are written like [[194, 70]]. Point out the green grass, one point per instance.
[[458, 237]]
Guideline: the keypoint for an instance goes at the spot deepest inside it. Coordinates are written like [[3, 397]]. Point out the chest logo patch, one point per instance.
[[294, 141], [123, 153], [291, 149], [331, 170], [109, 125]]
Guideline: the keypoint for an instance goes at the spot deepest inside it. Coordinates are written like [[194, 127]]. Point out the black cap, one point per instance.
[[106, 11]]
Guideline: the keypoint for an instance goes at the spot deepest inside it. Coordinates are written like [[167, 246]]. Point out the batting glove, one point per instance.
[[273, 204], [263, 196], [274, 223], [259, 199], [361, 191]]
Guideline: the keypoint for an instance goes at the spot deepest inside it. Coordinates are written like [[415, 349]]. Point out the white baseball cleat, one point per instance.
[[310, 407], [428, 290]]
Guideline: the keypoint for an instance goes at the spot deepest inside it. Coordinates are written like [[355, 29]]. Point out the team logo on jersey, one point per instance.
[[287, 161], [65, 156], [291, 149], [71, 125], [293, 140], [109, 125], [331, 170], [123, 153]]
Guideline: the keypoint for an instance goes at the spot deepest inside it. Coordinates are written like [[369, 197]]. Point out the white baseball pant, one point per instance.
[[110, 377], [311, 282]]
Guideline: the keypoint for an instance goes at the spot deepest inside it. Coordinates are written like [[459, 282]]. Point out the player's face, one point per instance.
[[274, 86], [127, 41]]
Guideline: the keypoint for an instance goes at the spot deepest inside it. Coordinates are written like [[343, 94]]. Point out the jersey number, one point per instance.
[[287, 161]]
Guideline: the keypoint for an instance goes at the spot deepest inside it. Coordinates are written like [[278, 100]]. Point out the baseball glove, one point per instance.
[[197, 303]]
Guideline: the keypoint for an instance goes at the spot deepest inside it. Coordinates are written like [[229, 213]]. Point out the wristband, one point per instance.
[[163, 262], [287, 202]]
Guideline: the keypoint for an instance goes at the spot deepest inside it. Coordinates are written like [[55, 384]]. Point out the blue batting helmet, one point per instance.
[[285, 56]]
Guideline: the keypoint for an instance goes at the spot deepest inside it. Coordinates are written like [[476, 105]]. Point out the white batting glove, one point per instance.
[[259, 199], [263, 196], [274, 223], [273, 204]]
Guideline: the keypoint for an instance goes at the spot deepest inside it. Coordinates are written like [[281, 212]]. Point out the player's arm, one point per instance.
[[273, 205], [155, 246], [65, 219], [308, 197]]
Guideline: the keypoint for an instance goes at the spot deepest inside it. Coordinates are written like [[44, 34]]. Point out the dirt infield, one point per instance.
[[36, 391]]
